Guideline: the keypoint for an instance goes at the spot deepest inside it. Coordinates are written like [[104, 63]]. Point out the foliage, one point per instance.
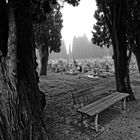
[[101, 35], [48, 26], [116, 17], [61, 54], [48, 33], [41, 7], [131, 20]]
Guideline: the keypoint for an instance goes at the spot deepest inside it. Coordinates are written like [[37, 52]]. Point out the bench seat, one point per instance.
[[100, 105]]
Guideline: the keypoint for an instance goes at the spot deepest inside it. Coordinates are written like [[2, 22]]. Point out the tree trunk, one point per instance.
[[136, 51], [20, 100], [44, 55], [123, 61], [8, 93], [118, 47], [30, 99], [114, 20]]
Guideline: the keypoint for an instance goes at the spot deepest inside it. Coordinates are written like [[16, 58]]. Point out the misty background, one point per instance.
[[81, 48]]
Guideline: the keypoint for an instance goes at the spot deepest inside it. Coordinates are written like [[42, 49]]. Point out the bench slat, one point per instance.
[[98, 102], [102, 104], [110, 100]]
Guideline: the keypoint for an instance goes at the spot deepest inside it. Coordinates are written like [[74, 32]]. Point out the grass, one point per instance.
[[62, 119]]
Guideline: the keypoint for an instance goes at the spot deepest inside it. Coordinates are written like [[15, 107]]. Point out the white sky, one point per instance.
[[78, 20]]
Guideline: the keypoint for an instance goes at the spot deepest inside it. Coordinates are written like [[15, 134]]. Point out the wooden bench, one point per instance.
[[98, 106]]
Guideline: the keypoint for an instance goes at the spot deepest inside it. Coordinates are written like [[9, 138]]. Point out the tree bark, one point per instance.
[[20, 99], [44, 55], [118, 46], [30, 99], [8, 94]]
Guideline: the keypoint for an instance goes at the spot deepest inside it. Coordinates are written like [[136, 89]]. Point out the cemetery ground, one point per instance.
[[62, 119]]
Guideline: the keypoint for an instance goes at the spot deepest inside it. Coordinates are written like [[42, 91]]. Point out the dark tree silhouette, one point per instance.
[[21, 102], [101, 35], [115, 15], [61, 54], [133, 27], [4, 29], [48, 36], [21, 107]]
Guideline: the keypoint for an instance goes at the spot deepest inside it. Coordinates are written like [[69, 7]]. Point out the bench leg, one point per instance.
[[124, 104], [96, 122]]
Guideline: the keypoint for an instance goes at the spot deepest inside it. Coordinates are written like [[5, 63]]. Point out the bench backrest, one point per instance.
[[89, 94]]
